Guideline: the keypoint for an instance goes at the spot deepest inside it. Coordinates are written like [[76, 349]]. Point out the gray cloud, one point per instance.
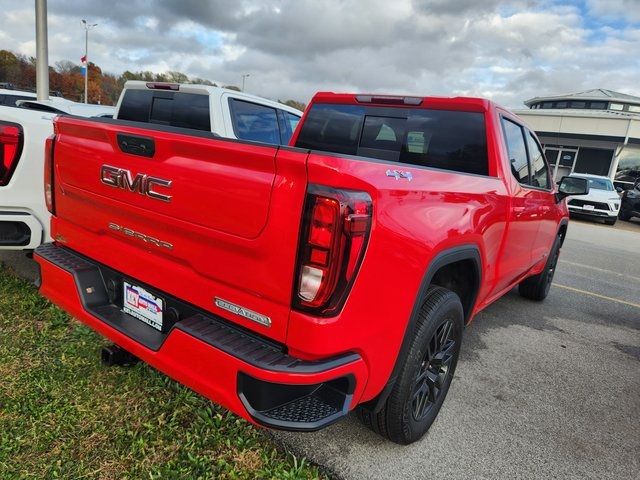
[[506, 50]]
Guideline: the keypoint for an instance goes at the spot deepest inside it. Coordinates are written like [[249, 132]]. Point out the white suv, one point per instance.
[[602, 201]]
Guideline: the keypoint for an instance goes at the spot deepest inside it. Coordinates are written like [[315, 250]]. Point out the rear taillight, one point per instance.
[[10, 150], [49, 181], [332, 244]]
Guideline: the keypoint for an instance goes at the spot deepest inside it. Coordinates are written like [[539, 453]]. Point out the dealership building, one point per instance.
[[596, 131]]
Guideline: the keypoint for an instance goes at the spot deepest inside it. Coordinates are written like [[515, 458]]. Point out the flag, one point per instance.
[[83, 59]]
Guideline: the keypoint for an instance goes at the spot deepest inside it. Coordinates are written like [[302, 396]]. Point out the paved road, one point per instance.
[[546, 390]]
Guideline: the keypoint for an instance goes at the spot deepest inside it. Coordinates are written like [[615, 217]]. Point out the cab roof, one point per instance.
[[404, 101]]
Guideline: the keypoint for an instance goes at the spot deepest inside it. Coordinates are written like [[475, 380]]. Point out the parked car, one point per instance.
[[294, 284], [64, 106], [24, 220], [9, 97], [630, 203], [602, 202], [222, 111]]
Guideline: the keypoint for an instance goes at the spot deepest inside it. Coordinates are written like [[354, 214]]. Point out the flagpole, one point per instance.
[[87, 27], [86, 61]]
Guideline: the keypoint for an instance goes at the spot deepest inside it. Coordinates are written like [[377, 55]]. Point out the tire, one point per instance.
[[626, 216], [423, 383], [611, 222], [537, 287]]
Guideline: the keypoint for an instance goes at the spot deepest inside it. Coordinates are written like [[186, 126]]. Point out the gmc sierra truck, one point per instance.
[[293, 284]]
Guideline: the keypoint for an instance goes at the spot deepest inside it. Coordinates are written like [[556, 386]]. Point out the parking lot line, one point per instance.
[[582, 265], [586, 292]]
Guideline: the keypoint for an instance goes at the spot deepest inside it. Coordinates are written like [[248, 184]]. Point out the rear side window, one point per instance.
[[450, 140], [517, 150], [254, 122], [177, 109]]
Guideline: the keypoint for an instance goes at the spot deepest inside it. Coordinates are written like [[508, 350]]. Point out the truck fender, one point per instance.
[[443, 258]]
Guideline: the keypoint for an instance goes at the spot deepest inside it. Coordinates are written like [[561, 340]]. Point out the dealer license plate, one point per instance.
[[588, 207], [142, 305]]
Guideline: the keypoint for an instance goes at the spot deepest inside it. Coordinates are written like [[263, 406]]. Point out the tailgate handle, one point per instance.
[[135, 145]]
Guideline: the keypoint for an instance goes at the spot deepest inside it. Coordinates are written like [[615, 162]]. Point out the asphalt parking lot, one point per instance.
[[549, 390], [542, 390]]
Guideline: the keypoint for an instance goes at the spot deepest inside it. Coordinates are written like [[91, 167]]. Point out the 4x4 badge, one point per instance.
[[398, 174]]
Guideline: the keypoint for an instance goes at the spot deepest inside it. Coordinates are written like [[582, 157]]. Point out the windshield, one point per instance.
[[600, 184]]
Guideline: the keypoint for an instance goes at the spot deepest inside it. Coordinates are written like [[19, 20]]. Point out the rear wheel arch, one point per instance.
[[449, 261]]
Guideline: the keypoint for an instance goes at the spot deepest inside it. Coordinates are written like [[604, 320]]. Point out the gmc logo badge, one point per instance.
[[141, 183]]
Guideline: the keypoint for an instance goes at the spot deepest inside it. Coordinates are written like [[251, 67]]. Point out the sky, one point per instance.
[[508, 51]]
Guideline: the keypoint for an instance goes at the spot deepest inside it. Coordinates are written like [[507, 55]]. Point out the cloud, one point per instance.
[[506, 50]]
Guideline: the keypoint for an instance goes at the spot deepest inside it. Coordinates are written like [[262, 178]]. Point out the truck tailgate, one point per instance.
[[191, 215]]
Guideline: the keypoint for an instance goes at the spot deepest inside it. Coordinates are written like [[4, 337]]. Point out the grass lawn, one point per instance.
[[64, 415]]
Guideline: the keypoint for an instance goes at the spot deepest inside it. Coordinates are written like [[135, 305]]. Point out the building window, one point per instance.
[[616, 106], [595, 161], [598, 105], [634, 108], [578, 104], [547, 105], [561, 105]]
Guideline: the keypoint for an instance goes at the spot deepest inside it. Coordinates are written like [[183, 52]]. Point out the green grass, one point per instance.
[[64, 415]]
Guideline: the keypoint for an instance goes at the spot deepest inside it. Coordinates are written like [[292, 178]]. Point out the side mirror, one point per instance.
[[619, 189], [570, 186]]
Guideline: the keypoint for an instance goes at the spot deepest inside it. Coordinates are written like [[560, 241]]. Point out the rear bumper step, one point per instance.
[[246, 373]]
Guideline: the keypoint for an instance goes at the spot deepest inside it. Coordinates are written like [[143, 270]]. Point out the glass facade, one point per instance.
[[628, 171], [586, 105]]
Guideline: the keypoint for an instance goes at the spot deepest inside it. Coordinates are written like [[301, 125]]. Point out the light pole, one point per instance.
[[42, 51], [243, 79], [87, 27]]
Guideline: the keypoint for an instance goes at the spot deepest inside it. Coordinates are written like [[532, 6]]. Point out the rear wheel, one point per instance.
[[537, 287], [624, 215], [423, 383]]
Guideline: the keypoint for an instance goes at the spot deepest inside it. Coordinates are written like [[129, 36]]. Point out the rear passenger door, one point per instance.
[[524, 214], [540, 183]]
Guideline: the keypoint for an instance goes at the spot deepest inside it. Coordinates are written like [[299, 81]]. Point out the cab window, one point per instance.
[[539, 169], [514, 137]]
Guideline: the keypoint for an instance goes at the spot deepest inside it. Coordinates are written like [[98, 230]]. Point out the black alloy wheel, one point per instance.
[[434, 371]]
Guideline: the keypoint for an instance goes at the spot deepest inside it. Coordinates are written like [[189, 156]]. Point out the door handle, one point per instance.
[[136, 145]]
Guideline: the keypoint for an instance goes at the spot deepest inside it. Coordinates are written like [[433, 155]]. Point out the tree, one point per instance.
[[177, 77], [293, 103], [66, 78]]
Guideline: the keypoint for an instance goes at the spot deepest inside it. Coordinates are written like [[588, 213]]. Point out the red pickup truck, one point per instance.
[[294, 284]]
